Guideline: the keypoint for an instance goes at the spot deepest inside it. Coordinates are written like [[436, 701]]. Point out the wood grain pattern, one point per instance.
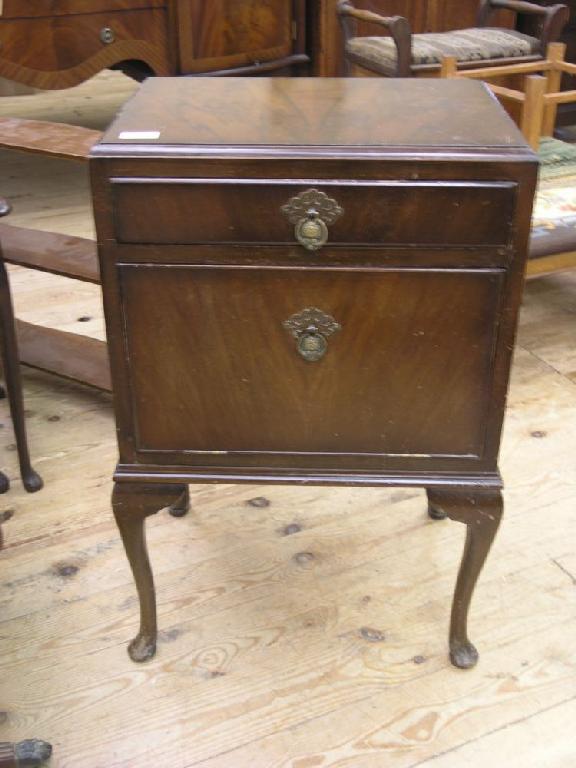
[[50, 139], [223, 34], [326, 408], [68, 256], [291, 113], [65, 50], [377, 214], [58, 45], [32, 8], [70, 355]]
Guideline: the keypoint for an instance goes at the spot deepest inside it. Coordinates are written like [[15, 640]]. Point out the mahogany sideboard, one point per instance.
[[326, 293], [60, 43]]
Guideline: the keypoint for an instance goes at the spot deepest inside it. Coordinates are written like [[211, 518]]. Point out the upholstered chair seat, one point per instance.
[[466, 45]]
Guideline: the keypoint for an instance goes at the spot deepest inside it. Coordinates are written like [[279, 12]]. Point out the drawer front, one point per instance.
[[436, 213], [12, 9], [64, 42], [226, 363]]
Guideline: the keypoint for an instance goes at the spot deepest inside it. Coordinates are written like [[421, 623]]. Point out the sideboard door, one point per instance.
[[228, 34]]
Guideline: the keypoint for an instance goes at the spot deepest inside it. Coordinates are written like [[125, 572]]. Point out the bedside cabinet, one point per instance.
[[312, 281]]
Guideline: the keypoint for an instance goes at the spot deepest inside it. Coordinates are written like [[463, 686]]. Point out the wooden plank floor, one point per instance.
[[301, 627]]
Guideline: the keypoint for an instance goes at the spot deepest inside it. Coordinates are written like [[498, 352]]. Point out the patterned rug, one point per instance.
[[554, 217]]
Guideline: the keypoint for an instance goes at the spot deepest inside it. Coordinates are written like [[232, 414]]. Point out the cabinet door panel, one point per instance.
[[213, 369], [223, 34]]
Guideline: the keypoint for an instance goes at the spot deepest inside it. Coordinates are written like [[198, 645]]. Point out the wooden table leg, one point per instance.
[[11, 365], [132, 504], [481, 511]]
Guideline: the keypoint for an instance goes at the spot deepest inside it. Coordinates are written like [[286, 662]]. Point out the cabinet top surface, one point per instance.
[[313, 113]]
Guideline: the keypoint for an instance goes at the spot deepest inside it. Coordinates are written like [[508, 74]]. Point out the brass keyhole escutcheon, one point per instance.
[[311, 328], [311, 212], [107, 35]]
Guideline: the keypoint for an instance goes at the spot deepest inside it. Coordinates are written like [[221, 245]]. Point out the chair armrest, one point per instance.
[[553, 18], [398, 26], [518, 6], [346, 9]]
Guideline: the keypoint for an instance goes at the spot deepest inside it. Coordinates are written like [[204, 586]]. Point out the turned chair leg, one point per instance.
[[481, 512], [11, 364], [132, 504]]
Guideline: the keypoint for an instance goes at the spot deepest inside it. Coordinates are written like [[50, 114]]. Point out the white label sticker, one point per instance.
[[139, 135]]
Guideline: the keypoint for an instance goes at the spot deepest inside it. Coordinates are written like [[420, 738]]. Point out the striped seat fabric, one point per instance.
[[477, 43]]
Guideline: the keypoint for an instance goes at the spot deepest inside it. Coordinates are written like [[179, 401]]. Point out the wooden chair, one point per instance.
[[403, 54], [541, 95], [553, 242]]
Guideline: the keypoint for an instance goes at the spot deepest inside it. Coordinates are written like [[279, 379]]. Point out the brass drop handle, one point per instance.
[[311, 328], [311, 231], [311, 212]]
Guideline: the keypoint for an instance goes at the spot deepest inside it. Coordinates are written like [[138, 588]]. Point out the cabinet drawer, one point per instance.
[[63, 42], [196, 211], [220, 363], [14, 9]]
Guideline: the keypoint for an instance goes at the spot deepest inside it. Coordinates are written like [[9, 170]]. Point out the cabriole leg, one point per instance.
[[481, 512], [132, 504]]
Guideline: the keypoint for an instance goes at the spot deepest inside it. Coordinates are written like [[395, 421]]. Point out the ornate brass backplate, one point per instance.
[[311, 328], [311, 212]]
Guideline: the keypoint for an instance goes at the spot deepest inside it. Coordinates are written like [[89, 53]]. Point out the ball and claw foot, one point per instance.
[[4, 483], [463, 654], [32, 481], [182, 506], [142, 648], [435, 513]]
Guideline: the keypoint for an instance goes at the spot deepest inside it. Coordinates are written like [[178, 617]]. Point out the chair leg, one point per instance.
[[481, 511], [10, 362], [132, 504]]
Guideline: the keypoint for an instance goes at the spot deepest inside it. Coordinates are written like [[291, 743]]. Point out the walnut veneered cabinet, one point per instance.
[[312, 281], [60, 43]]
